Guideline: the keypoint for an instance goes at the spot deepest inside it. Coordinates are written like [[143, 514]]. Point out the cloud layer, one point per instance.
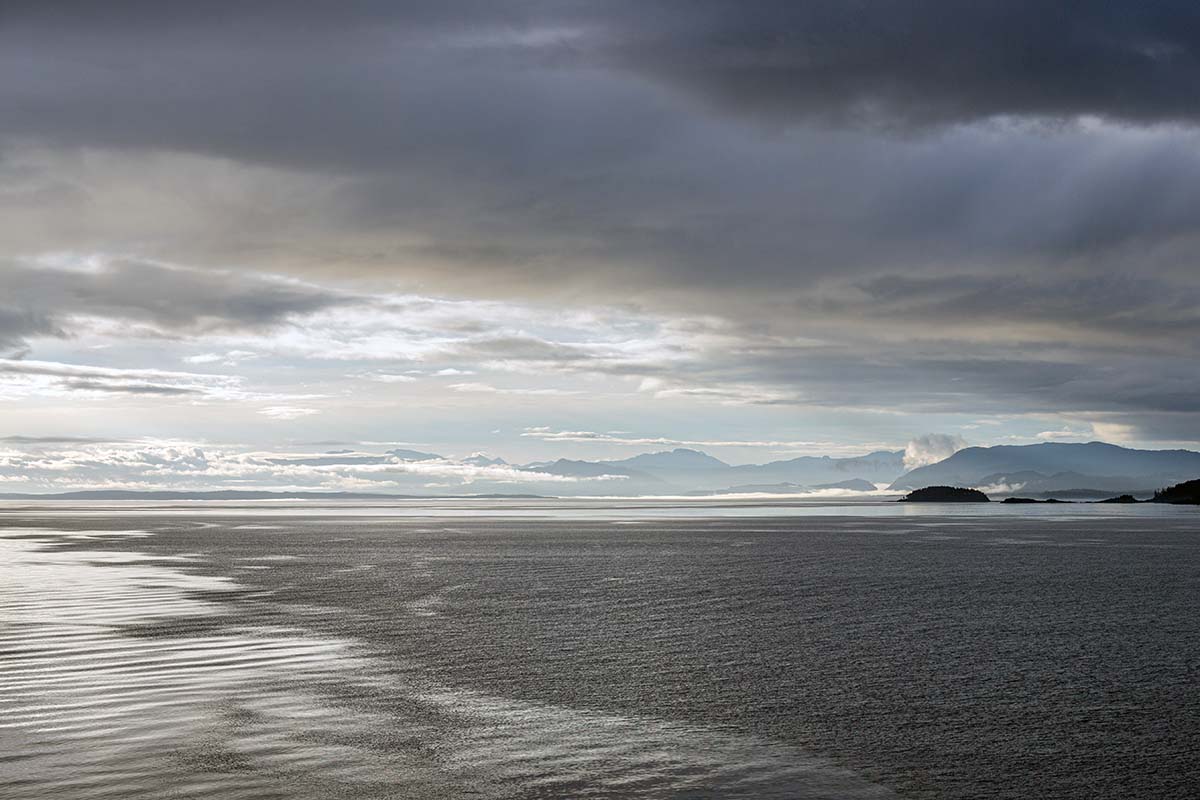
[[50, 466], [931, 448], [784, 222]]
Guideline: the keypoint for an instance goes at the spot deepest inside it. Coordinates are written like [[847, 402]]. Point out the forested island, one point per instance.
[[945, 494], [1187, 493]]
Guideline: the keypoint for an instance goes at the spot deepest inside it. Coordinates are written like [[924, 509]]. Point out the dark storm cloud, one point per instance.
[[927, 61], [532, 150], [874, 175], [356, 82], [325, 85], [528, 138], [362, 84]]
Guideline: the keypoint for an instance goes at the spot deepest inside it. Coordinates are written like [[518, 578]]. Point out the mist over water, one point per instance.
[[183, 654]]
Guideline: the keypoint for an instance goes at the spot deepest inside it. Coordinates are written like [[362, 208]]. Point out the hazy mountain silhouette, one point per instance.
[[1095, 465], [412, 455], [685, 470], [670, 460], [484, 460], [878, 467], [590, 469]]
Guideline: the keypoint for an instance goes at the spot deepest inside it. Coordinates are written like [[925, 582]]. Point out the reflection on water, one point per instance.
[[132, 675], [91, 712]]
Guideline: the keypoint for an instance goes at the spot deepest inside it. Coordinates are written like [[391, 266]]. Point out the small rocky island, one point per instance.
[[945, 494]]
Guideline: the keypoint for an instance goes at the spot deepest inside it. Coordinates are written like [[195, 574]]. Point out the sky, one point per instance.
[[236, 235]]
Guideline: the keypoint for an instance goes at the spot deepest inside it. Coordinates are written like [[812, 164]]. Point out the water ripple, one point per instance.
[[129, 675]]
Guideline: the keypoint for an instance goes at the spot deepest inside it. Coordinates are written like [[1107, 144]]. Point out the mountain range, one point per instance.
[[1056, 468], [1093, 469], [1066, 470], [685, 470]]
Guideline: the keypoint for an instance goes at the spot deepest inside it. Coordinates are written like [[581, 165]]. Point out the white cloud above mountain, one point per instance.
[[931, 448]]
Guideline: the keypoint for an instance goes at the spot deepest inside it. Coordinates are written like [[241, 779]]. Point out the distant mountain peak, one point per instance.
[[412, 455], [482, 459], [679, 458], [589, 469]]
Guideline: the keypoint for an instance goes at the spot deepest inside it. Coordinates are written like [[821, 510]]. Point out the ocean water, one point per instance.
[[599, 650]]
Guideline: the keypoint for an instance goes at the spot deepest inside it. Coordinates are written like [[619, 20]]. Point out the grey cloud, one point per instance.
[[685, 213], [1141, 309], [930, 370], [557, 151], [172, 297], [522, 348], [323, 85], [931, 61], [493, 89], [74, 377], [962, 344], [57, 440], [312, 20], [16, 325], [128, 387], [1151, 427], [471, 148], [950, 378], [924, 62], [172, 300]]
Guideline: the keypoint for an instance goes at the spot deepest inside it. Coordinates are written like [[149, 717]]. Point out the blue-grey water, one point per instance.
[[599, 650]]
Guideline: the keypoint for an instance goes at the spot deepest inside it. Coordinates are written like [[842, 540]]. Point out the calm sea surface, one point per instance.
[[599, 650]]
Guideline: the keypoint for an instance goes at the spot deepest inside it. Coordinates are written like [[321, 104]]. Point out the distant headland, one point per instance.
[[1187, 493]]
